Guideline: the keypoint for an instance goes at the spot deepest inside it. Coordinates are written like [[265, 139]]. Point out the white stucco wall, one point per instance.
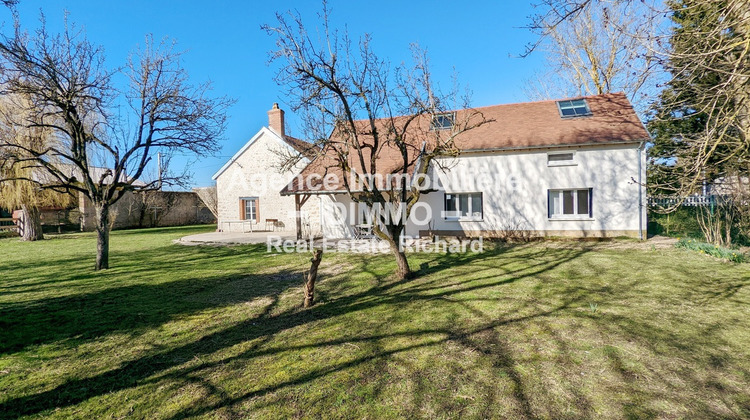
[[254, 173], [333, 222], [514, 191]]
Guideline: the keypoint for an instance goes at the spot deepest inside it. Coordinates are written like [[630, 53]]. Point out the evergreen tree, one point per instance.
[[700, 123]]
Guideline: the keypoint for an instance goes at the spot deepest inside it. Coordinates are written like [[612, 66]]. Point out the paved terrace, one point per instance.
[[232, 238], [371, 246]]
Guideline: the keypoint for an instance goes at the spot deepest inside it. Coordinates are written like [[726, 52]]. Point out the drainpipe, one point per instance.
[[640, 193]]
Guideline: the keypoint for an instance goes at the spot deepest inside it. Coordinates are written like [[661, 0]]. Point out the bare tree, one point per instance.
[[701, 120], [154, 206], [95, 125], [605, 46], [381, 118], [714, 45]]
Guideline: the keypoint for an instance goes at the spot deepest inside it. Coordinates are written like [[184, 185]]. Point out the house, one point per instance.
[[572, 167], [248, 184]]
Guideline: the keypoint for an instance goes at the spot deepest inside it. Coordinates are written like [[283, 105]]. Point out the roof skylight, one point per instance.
[[573, 108], [442, 121]]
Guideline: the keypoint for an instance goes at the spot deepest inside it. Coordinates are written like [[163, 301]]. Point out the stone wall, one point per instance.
[[150, 209]]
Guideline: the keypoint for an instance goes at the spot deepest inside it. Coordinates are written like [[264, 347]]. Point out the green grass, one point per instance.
[[542, 330], [712, 250]]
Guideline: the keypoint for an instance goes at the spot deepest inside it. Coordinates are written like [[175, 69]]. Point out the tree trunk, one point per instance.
[[403, 272], [311, 277], [31, 224], [142, 215], [102, 236]]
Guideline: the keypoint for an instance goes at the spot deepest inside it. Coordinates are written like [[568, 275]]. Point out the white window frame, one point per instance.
[[586, 113], [557, 213], [456, 215], [571, 162], [450, 116], [255, 208]]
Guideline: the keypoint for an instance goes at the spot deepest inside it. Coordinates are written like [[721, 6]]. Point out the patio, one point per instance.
[[360, 245], [233, 238]]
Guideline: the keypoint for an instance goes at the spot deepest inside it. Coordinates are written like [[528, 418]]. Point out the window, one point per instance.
[[560, 159], [249, 209], [573, 108], [569, 203], [466, 206], [442, 121], [365, 214]]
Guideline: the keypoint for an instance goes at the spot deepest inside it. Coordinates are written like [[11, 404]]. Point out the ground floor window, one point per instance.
[[566, 203], [249, 209], [466, 206]]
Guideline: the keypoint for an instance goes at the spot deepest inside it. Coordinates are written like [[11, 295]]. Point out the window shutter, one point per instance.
[[242, 209], [256, 202], [591, 201]]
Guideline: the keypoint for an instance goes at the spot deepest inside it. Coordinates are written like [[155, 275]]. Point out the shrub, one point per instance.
[[680, 223], [712, 250]]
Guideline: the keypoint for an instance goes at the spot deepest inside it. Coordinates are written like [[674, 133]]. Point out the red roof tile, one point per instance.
[[538, 124], [306, 149], [511, 126]]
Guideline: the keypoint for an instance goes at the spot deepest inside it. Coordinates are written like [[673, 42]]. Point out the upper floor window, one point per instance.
[[442, 121], [561, 159], [573, 108]]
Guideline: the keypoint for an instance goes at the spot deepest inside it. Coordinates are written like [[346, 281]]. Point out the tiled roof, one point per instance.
[[513, 126], [538, 124], [306, 149]]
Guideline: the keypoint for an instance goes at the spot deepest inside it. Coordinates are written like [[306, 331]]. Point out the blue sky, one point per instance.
[[224, 43]]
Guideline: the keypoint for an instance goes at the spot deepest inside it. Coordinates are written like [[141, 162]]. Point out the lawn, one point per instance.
[[545, 330]]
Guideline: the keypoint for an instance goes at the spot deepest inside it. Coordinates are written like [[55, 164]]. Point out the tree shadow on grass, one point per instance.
[[263, 327], [20, 275], [16, 274], [704, 379], [146, 302], [447, 277]]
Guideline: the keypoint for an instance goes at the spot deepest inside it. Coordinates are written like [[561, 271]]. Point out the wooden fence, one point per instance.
[[7, 223]]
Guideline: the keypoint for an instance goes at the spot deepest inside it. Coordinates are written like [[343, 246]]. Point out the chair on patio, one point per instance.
[[363, 231], [272, 224]]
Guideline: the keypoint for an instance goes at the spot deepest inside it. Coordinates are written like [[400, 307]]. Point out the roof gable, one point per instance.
[[292, 143]]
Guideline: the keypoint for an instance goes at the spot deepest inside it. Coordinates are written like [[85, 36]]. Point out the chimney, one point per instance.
[[276, 119]]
